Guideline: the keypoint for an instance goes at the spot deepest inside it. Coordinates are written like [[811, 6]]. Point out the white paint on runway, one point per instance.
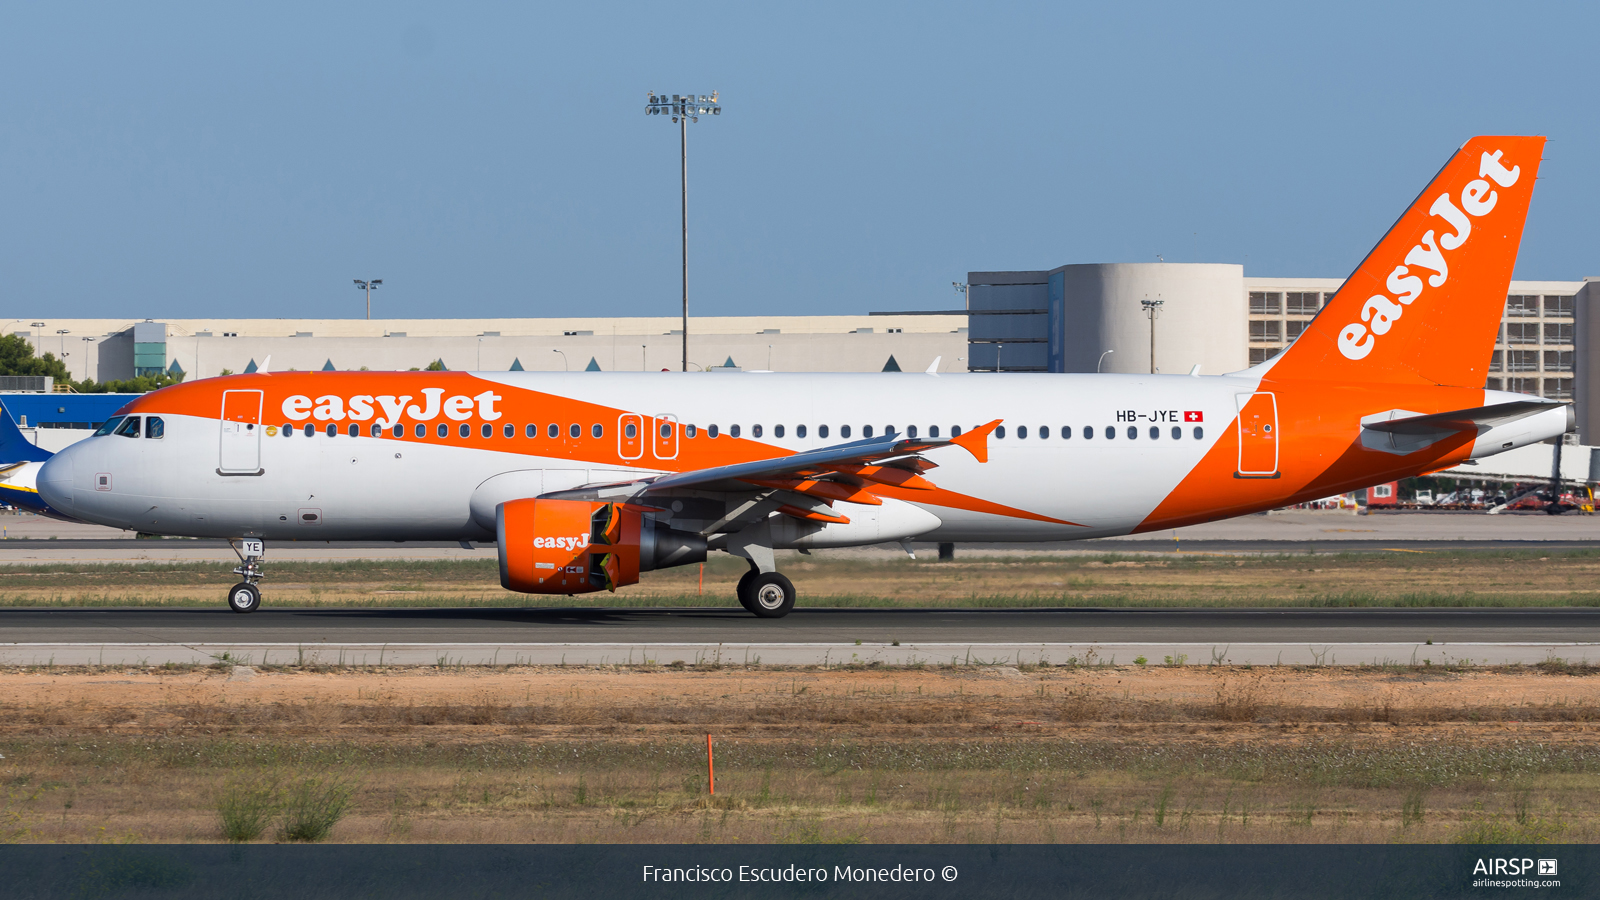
[[795, 654]]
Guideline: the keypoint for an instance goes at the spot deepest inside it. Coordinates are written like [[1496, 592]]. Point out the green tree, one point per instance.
[[16, 358]]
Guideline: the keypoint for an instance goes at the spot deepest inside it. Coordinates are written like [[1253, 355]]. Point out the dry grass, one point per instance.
[[1444, 579], [971, 754]]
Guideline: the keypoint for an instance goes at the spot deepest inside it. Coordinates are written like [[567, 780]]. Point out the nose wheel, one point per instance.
[[245, 597]]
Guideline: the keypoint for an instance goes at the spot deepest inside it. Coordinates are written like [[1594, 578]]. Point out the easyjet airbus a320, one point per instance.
[[586, 480]]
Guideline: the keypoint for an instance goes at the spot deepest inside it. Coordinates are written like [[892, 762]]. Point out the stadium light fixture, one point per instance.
[[369, 287], [684, 109]]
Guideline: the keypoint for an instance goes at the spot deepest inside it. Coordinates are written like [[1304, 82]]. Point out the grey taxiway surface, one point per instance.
[[596, 635]]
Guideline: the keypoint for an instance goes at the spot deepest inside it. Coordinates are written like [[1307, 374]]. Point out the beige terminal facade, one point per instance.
[[1076, 318]]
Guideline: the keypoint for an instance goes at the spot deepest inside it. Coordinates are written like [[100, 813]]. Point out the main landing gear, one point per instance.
[[768, 595], [245, 597]]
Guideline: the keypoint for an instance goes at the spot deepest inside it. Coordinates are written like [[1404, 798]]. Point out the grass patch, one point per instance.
[[245, 807]]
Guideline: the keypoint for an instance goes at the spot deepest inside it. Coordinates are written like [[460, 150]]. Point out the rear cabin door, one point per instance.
[[241, 433], [665, 435], [1258, 436]]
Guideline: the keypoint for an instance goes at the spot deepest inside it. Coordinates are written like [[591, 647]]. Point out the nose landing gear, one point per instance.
[[245, 597]]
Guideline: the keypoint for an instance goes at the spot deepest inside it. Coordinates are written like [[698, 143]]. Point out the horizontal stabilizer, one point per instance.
[[1463, 419]]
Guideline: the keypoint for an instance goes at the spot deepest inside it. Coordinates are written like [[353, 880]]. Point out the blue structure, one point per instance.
[[63, 410]]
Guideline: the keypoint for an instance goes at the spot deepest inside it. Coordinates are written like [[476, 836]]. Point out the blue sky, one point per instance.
[[169, 160]]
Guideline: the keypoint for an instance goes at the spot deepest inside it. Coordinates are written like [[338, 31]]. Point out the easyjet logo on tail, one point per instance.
[[1381, 311]]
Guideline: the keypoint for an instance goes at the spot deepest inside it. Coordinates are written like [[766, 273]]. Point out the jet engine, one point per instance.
[[578, 546]]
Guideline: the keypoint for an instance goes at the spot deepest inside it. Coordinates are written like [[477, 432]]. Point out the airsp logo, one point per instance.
[[1381, 311], [1503, 866]]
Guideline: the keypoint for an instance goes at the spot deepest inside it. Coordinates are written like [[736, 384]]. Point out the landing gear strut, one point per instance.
[[245, 597]]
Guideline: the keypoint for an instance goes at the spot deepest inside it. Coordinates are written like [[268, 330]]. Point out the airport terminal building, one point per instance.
[[1075, 318]]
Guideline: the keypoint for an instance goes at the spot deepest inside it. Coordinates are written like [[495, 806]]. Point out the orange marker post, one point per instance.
[[702, 588], [711, 768]]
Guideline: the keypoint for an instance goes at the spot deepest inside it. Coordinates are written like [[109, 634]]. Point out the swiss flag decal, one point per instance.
[[1194, 415]]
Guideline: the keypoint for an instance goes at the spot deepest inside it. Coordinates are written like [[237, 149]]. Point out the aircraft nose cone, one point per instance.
[[55, 481]]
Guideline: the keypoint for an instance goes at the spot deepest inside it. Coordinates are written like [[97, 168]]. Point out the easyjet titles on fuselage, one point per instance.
[[360, 408]]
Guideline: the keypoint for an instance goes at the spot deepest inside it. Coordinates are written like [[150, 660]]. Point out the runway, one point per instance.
[[600, 636]]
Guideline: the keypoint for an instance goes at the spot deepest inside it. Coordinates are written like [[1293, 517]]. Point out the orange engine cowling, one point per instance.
[[578, 546]]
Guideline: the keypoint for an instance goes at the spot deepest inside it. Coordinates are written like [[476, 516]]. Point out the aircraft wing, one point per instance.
[[825, 461], [802, 485], [1463, 419]]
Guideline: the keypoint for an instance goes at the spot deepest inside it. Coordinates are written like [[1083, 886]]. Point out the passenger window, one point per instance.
[[1176, 432], [777, 431], [844, 431], [376, 430], [597, 430], [1155, 432], [1199, 433], [308, 429], [1111, 432], [733, 430], [822, 431], [575, 430], [443, 430], [464, 430], [933, 431], [712, 432], [1022, 432], [1066, 432], [1000, 432], [1044, 432], [531, 431], [109, 426], [955, 431], [354, 430], [755, 431], [690, 430], [1133, 432], [553, 430], [331, 430], [630, 431], [154, 427], [911, 432], [866, 431], [488, 430], [666, 429], [421, 430], [130, 427], [1088, 432], [288, 431], [800, 431], [509, 430], [399, 431]]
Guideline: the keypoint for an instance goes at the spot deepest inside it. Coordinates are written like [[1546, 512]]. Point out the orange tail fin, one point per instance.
[[1425, 305]]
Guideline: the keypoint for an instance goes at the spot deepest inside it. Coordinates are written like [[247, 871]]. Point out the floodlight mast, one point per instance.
[[1152, 311], [368, 286], [684, 109]]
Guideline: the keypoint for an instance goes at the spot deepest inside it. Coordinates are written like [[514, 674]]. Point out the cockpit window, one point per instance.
[[154, 427], [129, 427], [109, 426]]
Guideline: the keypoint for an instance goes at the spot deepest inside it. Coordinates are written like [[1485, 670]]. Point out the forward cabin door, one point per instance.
[[1258, 436], [241, 433]]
